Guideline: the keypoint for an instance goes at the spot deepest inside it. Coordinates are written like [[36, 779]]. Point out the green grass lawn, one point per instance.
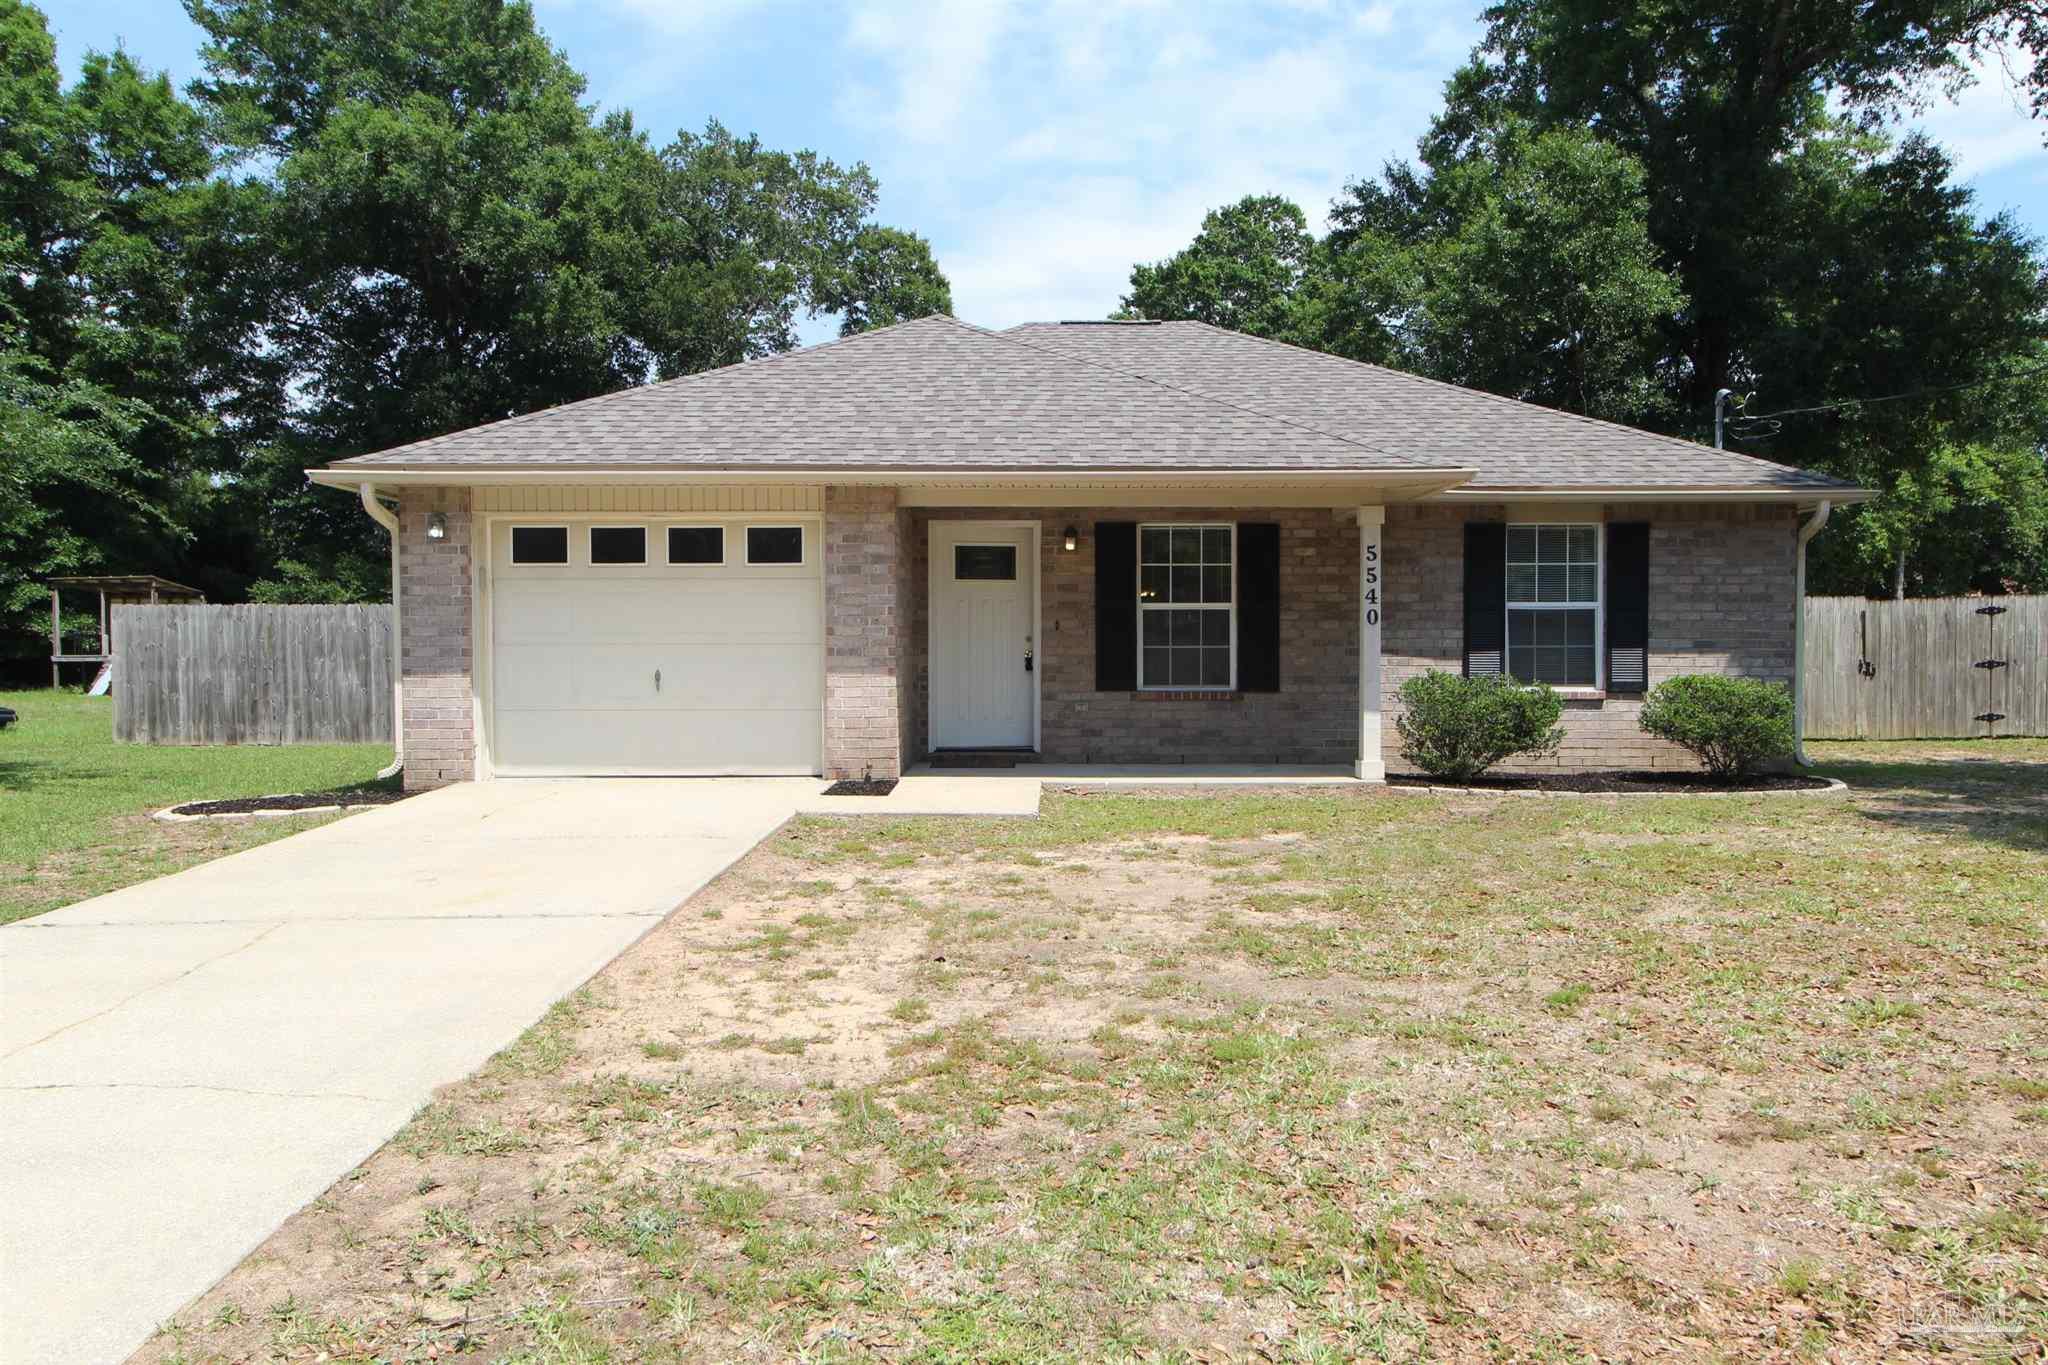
[[75, 806]]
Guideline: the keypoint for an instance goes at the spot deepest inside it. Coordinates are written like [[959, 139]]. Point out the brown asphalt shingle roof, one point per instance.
[[1511, 444], [939, 394]]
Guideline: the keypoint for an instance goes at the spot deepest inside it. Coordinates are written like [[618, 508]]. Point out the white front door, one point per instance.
[[984, 635]]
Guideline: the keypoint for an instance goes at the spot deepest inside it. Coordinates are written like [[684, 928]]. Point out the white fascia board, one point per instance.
[[1803, 497], [1410, 481]]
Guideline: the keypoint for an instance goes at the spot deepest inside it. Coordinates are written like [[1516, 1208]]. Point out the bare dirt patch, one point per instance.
[[1285, 1076]]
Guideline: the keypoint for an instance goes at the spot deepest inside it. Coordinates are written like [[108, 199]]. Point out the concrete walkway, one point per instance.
[[185, 1063]]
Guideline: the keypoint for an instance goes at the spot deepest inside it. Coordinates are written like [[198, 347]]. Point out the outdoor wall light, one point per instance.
[[437, 525], [1073, 538]]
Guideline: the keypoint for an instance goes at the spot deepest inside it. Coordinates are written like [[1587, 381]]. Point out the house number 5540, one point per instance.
[[1372, 583]]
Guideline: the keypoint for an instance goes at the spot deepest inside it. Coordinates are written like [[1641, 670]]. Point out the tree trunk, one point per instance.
[[1899, 575]]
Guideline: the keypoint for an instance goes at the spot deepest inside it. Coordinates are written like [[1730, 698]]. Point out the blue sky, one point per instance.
[[1045, 145]]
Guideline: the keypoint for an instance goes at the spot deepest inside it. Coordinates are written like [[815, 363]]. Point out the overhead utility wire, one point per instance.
[[1894, 397]]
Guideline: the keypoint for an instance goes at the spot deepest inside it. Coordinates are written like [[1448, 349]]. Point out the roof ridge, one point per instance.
[[1466, 389], [518, 418], [1004, 336]]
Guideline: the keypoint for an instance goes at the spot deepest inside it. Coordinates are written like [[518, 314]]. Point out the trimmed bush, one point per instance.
[[1734, 726], [1457, 728]]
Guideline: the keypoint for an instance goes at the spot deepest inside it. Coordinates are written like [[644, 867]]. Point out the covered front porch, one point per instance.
[[1176, 638]]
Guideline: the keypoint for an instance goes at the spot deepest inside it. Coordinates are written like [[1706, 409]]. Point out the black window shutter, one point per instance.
[[1486, 598], [1116, 606], [1628, 607], [1258, 606]]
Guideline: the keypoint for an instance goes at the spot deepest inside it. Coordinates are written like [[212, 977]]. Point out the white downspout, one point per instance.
[[387, 519], [1806, 533]]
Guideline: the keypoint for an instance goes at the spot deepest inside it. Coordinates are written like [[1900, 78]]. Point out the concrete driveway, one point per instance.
[[185, 1063]]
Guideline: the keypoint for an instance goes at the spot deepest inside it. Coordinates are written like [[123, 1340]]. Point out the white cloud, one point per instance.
[[673, 18], [938, 58], [1046, 146], [1988, 127]]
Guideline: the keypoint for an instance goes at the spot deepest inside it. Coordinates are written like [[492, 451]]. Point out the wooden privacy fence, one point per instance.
[[252, 675], [1926, 668]]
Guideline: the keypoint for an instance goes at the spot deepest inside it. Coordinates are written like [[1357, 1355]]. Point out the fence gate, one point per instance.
[[1927, 668]]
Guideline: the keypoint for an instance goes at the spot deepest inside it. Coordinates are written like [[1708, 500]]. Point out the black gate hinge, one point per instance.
[[1989, 663], [1992, 717], [1992, 611]]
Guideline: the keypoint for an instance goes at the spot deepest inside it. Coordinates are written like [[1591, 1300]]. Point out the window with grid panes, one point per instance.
[[1187, 592], [1553, 603]]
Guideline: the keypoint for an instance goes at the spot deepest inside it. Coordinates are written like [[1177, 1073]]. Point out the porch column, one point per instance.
[[1371, 766]]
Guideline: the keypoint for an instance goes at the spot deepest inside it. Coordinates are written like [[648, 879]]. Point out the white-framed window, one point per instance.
[[540, 545], [1554, 606], [696, 545], [618, 545], [1187, 606], [775, 545]]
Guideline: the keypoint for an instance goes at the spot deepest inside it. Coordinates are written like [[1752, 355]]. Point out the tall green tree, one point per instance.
[[1623, 212], [1524, 268], [890, 276], [1713, 97], [1884, 285], [1253, 267], [130, 344], [455, 236]]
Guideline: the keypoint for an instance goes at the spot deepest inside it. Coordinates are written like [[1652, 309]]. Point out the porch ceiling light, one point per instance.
[[437, 525], [1073, 538]]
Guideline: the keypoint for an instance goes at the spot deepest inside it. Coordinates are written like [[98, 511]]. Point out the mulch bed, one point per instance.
[[854, 786], [245, 805], [1618, 782]]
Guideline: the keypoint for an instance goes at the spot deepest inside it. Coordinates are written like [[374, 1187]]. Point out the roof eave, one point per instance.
[[1805, 495], [399, 476]]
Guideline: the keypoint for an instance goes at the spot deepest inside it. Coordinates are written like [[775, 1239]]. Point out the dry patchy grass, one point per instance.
[[1264, 1076]]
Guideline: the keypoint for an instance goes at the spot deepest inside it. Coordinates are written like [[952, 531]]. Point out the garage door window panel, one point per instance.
[[775, 545], [696, 545], [540, 545], [618, 545]]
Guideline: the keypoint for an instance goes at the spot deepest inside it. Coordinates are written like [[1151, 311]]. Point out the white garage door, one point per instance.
[[650, 647]]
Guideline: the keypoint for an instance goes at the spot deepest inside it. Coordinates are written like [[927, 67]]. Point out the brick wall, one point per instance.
[[1720, 602], [435, 645], [1313, 718], [863, 639]]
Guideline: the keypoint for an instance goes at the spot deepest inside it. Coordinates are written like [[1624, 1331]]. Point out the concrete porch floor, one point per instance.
[[1108, 775], [925, 790]]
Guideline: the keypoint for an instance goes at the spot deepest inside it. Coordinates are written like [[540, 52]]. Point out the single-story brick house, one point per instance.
[[1095, 542]]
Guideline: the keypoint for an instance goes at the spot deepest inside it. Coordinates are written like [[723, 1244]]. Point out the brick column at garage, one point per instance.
[[435, 648], [863, 629]]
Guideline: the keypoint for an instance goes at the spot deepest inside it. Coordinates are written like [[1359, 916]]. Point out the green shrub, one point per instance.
[[1733, 725], [1457, 728]]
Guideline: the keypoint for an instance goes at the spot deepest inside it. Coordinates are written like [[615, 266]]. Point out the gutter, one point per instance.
[[388, 519], [1807, 532], [1730, 493], [479, 474]]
